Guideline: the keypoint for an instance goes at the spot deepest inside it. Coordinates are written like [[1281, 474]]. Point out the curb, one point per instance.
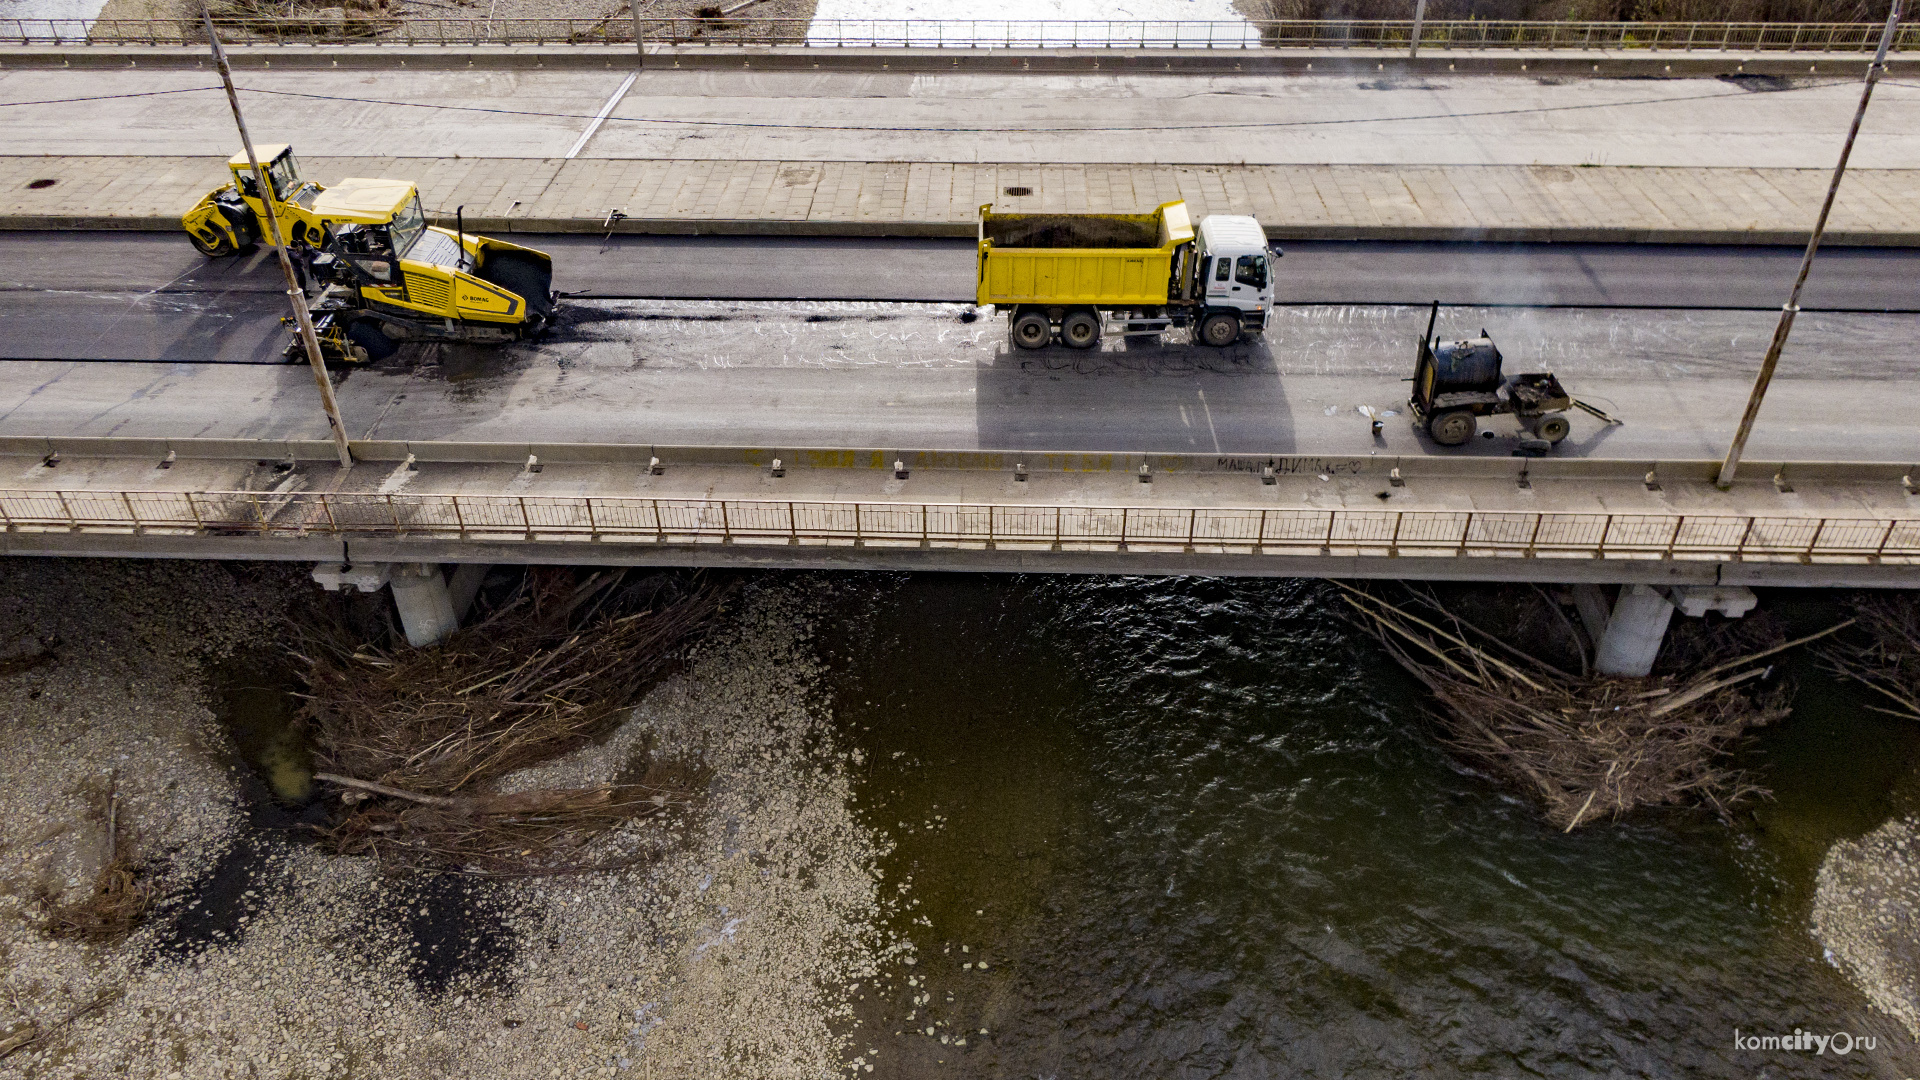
[[993, 61], [968, 230]]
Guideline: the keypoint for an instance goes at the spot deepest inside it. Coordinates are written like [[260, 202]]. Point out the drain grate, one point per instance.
[[39, 185], [1019, 191]]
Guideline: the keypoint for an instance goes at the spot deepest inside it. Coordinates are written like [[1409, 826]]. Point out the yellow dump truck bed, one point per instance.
[[1098, 260]]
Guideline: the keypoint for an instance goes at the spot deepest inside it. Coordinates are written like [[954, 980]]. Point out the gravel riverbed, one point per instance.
[[732, 947], [1866, 914]]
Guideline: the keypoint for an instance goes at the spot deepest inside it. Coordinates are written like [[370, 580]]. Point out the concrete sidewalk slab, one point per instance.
[[838, 198], [1635, 63]]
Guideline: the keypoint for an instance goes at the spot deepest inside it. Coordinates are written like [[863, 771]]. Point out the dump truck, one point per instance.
[[384, 274], [1078, 277]]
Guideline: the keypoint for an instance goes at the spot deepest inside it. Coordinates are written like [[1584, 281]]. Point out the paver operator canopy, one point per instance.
[[385, 274], [1079, 276]]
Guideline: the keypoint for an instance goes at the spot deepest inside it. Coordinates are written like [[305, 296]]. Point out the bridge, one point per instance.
[[683, 415]]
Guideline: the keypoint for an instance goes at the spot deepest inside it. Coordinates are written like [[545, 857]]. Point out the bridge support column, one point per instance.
[[419, 592], [1630, 638], [464, 587], [1634, 632], [426, 606]]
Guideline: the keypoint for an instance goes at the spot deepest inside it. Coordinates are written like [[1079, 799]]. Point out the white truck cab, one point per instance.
[[1233, 268]]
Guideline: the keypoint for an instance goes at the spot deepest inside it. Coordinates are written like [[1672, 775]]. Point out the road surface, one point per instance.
[[149, 296], [1042, 119]]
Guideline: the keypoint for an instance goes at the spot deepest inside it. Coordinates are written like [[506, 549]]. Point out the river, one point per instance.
[[1201, 828]]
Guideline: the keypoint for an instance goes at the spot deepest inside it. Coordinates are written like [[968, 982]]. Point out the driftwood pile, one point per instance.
[[120, 898], [1884, 654], [416, 738], [1588, 746]]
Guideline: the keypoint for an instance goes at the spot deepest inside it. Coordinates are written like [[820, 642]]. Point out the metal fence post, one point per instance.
[[793, 529], [526, 519], [593, 524], [1740, 549], [1674, 537], [1885, 536], [1818, 531]]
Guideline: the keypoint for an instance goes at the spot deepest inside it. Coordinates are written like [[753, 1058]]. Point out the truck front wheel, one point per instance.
[[1080, 330], [1032, 330], [1220, 329]]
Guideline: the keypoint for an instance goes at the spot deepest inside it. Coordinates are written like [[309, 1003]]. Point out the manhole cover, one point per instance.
[[1019, 191], [39, 184]]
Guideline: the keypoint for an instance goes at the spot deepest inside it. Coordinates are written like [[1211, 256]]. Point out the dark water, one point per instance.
[[1200, 829]]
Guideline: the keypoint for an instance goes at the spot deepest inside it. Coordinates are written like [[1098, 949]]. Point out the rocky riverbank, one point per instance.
[[1867, 915], [733, 947]]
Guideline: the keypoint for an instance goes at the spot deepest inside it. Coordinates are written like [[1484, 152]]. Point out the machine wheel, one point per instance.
[[367, 334], [1031, 330], [1220, 329], [1453, 428], [220, 247], [1552, 428], [1080, 330], [519, 274]]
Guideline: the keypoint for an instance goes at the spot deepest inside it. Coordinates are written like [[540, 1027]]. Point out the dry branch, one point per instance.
[[1884, 655], [120, 898], [1587, 746]]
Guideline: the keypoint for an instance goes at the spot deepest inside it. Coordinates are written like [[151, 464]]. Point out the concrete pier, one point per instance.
[[1635, 629]]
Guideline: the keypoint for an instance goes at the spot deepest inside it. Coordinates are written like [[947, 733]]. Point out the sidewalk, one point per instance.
[[1382, 202]]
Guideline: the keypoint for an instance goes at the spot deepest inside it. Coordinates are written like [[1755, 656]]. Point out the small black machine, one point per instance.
[[1457, 382]]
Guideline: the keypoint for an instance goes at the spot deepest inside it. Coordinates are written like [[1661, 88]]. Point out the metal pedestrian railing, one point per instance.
[[1248, 530], [1393, 34]]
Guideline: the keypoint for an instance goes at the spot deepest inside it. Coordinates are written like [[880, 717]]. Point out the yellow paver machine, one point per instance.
[[384, 274]]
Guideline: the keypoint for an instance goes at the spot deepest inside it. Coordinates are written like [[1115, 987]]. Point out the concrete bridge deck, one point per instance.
[[1821, 524]]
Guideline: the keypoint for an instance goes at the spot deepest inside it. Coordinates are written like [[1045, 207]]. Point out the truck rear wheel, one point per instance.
[[1454, 427], [1080, 330], [1220, 329], [1031, 330]]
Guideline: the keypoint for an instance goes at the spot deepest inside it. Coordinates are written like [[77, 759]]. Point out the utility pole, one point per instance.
[[1792, 307], [639, 42], [295, 294], [1419, 16]]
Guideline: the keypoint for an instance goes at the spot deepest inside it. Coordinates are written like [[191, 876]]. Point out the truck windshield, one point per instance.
[[1251, 270], [408, 223]]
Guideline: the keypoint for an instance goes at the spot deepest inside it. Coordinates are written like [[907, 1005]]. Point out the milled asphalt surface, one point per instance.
[[149, 296], [881, 116], [838, 373], [843, 372]]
